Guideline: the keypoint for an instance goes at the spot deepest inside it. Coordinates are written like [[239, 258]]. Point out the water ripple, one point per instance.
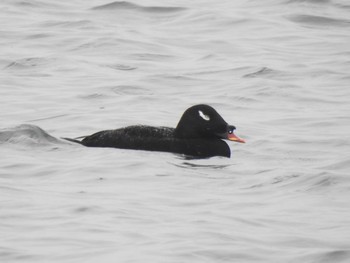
[[314, 20], [124, 5], [27, 134]]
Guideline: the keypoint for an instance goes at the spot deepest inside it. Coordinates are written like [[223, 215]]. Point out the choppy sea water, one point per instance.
[[277, 70]]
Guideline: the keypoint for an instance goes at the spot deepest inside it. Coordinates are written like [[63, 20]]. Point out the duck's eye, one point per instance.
[[231, 129], [203, 116]]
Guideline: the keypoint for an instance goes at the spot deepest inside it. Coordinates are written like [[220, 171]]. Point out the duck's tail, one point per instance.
[[74, 140]]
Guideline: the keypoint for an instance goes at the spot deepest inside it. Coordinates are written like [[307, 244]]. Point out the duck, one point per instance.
[[199, 133]]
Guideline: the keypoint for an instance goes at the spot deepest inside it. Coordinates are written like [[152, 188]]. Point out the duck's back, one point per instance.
[[129, 137], [156, 139]]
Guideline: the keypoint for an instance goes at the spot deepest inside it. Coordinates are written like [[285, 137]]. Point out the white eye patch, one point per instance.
[[204, 117]]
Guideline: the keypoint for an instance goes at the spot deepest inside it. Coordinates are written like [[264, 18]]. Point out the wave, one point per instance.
[[29, 135], [265, 72], [124, 5], [310, 1], [339, 256], [29, 63], [319, 20]]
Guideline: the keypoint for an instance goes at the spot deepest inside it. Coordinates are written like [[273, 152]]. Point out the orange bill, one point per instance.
[[233, 137]]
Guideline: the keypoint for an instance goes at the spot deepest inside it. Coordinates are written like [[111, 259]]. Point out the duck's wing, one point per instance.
[[131, 137]]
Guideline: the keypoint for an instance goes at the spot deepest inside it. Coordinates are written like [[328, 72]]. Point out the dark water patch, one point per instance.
[[323, 21], [284, 179], [176, 77], [130, 90], [87, 209], [151, 57], [27, 63], [245, 99], [316, 181], [201, 166], [31, 4], [121, 67], [343, 6], [27, 4], [67, 24], [100, 44], [216, 72], [124, 5], [93, 96], [36, 4], [38, 36], [324, 181], [10, 189], [8, 254], [254, 186], [265, 72], [24, 63], [310, 1], [343, 165], [263, 171], [336, 256], [304, 181], [225, 255]]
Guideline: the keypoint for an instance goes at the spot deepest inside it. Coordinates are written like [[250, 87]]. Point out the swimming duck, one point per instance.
[[199, 133]]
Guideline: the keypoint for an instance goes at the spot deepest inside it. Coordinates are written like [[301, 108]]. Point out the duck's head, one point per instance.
[[203, 122]]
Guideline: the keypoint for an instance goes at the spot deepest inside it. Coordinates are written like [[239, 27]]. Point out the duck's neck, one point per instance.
[[185, 131]]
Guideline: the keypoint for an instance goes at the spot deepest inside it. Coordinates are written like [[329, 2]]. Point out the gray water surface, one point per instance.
[[277, 70]]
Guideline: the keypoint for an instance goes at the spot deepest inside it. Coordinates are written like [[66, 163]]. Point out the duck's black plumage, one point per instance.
[[199, 133]]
